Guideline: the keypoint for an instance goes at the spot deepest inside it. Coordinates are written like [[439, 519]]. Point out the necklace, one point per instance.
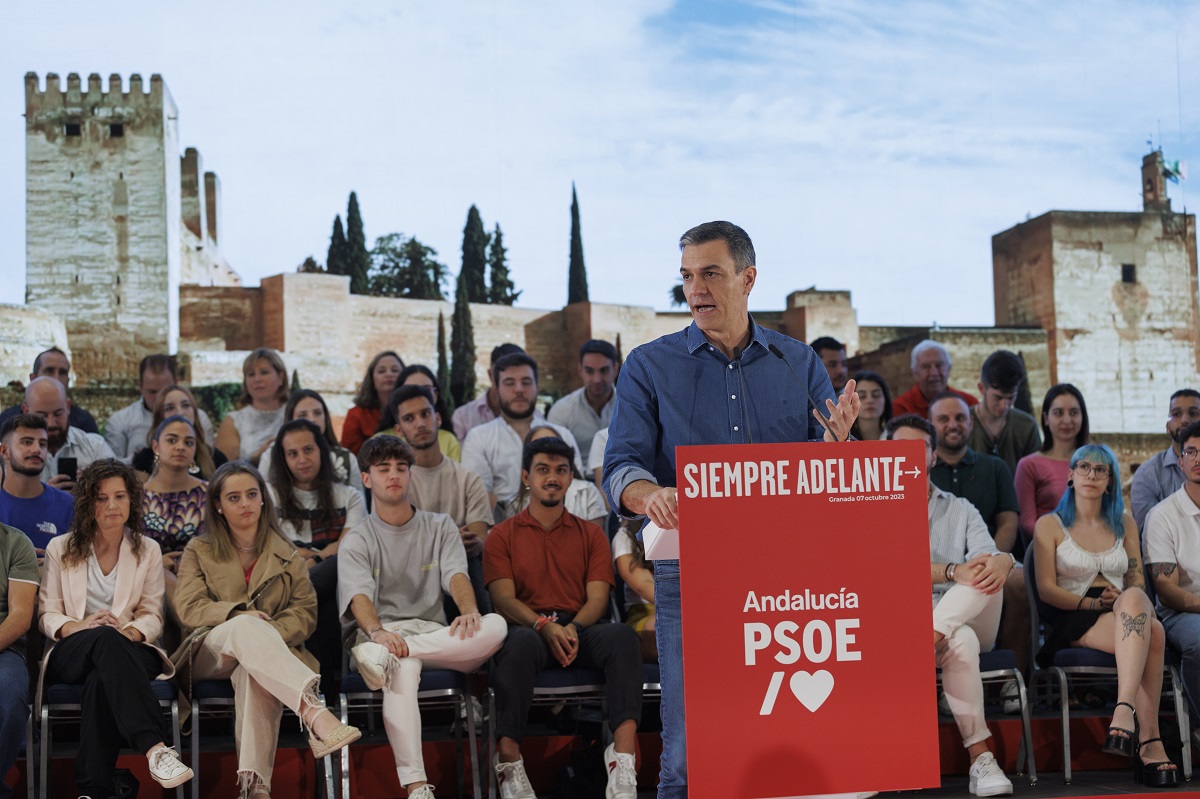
[[250, 548]]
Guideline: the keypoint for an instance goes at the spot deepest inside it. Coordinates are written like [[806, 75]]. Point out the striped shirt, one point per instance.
[[957, 533], [1154, 481]]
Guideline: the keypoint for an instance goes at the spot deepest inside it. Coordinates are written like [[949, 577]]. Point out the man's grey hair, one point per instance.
[[738, 241], [924, 346]]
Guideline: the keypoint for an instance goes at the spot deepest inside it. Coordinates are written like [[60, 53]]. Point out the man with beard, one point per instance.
[[1162, 475], [26, 503], [53, 363], [588, 409], [833, 357], [493, 449], [46, 397], [549, 574], [440, 485], [931, 370]]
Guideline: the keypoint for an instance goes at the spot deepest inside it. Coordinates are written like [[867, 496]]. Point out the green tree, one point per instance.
[[474, 257], [335, 260], [443, 366], [577, 287], [677, 296], [358, 260], [462, 346], [404, 267], [310, 266], [500, 289]]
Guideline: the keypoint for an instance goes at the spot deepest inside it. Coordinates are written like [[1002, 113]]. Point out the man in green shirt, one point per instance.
[[18, 598], [998, 428]]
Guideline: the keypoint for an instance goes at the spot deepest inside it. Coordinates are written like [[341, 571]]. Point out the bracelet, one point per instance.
[[951, 572], [1093, 605], [1080, 603], [541, 622], [317, 558], [578, 627], [946, 574], [371, 633]]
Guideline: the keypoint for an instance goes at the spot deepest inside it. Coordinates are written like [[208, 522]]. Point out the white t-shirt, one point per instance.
[[101, 587], [1173, 536], [493, 451], [622, 544], [596, 455]]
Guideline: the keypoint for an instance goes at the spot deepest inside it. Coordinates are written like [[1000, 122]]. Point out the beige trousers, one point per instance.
[[266, 676], [969, 619], [429, 645]]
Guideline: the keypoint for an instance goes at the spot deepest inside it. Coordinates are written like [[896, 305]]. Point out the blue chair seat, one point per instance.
[[553, 678], [997, 660], [1078, 657], [67, 694], [212, 689]]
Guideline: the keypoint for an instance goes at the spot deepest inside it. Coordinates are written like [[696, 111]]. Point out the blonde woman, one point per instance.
[[246, 433], [247, 606], [101, 610]]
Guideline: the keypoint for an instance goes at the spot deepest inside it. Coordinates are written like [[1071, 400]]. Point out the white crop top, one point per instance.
[[1078, 567]]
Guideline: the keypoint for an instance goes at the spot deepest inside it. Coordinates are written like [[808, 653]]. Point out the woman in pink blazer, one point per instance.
[[101, 612]]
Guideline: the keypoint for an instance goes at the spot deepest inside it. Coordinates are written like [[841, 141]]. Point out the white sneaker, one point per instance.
[[512, 779], [166, 769], [374, 663], [987, 778], [622, 774], [424, 792], [1012, 698]]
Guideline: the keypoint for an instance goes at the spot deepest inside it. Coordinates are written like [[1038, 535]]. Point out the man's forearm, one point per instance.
[[365, 615], [1176, 598], [515, 611], [591, 612], [463, 594], [634, 497]]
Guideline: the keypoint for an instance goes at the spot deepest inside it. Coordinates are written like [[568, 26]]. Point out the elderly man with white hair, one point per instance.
[[931, 371], [46, 397]]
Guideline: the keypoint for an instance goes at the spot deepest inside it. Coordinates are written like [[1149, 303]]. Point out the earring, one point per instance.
[[1070, 483], [194, 468]]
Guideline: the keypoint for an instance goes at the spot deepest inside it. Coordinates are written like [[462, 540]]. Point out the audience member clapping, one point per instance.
[[362, 421], [1041, 478], [876, 408], [178, 401], [307, 404], [246, 433]]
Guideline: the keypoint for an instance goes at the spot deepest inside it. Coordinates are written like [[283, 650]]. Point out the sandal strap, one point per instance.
[[1126, 704], [1149, 741]]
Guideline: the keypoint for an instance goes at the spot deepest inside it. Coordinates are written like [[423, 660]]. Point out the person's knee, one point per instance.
[[1133, 601], [522, 643], [1158, 636], [963, 645]]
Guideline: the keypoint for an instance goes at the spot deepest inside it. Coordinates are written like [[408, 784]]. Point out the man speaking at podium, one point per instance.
[[721, 380]]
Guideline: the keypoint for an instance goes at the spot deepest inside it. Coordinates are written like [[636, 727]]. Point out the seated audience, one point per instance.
[[493, 449], [393, 605], [875, 410], [53, 363], [629, 559], [101, 612], [583, 500], [486, 406], [315, 512], [440, 485], [1163, 475], [833, 357], [246, 433], [128, 430], [362, 420], [173, 499], [418, 376], [1000, 429], [178, 401], [1173, 555], [968, 574], [247, 606], [549, 574], [71, 450], [307, 404], [1093, 597], [19, 577], [26, 503], [589, 408], [931, 370], [1041, 478]]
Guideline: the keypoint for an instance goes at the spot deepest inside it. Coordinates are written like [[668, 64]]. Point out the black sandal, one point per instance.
[[1157, 774], [1126, 744]]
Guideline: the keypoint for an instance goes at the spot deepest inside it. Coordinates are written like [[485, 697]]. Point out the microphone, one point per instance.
[[778, 353], [737, 356]]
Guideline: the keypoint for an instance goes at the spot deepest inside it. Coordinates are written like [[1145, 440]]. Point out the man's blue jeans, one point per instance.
[[672, 776], [14, 712], [1183, 634]]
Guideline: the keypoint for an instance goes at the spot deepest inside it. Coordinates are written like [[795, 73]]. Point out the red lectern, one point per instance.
[[807, 622]]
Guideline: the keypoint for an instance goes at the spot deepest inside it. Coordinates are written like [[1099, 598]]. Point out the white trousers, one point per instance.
[[969, 619]]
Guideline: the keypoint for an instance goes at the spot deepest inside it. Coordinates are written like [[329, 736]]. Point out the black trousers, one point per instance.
[[325, 643], [117, 701], [615, 649]]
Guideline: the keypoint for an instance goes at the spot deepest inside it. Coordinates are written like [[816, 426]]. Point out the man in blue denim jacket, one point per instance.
[[715, 382]]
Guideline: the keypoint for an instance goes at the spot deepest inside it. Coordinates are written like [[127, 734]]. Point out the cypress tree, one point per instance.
[[500, 290], [462, 347], [335, 260], [474, 258], [443, 365], [577, 287], [358, 260]]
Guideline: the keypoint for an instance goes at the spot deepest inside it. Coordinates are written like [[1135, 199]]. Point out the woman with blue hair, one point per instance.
[[1094, 597]]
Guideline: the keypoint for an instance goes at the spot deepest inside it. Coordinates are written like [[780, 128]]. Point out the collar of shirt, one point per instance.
[[526, 519], [696, 338], [1170, 458], [968, 459], [1186, 506]]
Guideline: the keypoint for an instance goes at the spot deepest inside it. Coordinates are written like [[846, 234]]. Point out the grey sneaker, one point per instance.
[[166, 768], [987, 778], [622, 774], [512, 779]]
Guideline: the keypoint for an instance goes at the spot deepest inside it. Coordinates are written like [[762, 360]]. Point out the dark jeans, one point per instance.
[[668, 629], [14, 712], [117, 701], [326, 641], [614, 649]]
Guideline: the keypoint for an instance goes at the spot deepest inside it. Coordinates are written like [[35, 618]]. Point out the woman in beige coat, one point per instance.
[[247, 605], [101, 612]]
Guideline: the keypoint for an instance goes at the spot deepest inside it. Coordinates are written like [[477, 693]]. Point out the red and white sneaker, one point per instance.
[[622, 774], [512, 779]]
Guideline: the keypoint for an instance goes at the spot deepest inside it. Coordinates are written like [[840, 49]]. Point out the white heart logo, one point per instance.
[[812, 689]]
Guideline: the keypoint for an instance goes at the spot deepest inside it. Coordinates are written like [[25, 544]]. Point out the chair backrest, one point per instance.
[[1031, 590]]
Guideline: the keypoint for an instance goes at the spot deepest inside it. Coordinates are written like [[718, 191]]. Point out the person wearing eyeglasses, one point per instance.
[[1094, 597], [1162, 475], [1173, 553]]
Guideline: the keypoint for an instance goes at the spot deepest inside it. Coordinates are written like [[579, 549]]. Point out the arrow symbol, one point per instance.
[[914, 473]]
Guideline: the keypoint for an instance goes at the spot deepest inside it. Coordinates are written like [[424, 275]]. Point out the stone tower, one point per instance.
[[102, 206]]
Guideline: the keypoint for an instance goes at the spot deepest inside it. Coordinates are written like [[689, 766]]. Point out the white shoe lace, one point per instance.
[[517, 779], [166, 761], [625, 775]]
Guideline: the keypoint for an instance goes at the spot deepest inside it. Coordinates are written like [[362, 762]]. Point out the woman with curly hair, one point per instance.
[[101, 610], [362, 421], [247, 606]]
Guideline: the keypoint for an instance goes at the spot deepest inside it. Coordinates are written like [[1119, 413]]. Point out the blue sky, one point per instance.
[[870, 146]]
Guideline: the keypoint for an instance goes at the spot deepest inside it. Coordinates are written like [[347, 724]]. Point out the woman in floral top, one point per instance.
[[174, 499]]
